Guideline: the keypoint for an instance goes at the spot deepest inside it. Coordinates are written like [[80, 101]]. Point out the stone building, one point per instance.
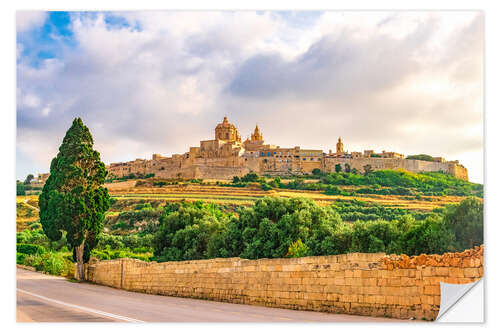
[[227, 156]]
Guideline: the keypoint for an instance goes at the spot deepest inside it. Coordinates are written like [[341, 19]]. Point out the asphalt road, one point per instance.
[[45, 298]]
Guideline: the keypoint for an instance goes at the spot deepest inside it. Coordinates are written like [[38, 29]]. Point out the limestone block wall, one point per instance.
[[396, 163], [357, 283], [213, 168], [219, 172]]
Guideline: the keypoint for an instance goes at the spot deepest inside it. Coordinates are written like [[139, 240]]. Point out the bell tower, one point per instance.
[[340, 147], [257, 135]]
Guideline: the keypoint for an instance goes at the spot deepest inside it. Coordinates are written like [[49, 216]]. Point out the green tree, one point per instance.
[[421, 157], [186, 230], [428, 236], [466, 222], [28, 179], [250, 177], [316, 172], [338, 168], [20, 190], [267, 229], [73, 198], [368, 169]]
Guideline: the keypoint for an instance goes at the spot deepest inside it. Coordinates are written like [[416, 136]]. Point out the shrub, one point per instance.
[[20, 258], [316, 172], [30, 249], [35, 226], [297, 249], [54, 263], [333, 190], [421, 157], [266, 187], [108, 254], [250, 177]]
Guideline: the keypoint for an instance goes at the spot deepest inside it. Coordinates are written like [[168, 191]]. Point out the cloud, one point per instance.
[[158, 82], [27, 20]]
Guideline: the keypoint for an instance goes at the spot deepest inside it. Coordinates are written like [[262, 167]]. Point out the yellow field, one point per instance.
[[26, 211]]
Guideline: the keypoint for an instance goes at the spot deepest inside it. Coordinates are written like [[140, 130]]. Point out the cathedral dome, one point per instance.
[[225, 124], [227, 132]]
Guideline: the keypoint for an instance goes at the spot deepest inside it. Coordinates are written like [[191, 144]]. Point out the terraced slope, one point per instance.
[[247, 195]]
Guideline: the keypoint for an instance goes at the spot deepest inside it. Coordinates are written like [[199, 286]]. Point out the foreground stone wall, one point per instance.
[[358, 283]]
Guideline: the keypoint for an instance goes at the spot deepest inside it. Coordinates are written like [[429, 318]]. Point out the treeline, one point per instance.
[[275, 228], [21, 188]]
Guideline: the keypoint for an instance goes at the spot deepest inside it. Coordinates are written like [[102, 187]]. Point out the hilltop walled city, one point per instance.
[[227, 156]]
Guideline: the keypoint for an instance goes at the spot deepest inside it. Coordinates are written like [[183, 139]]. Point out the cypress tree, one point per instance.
[[73, 198]]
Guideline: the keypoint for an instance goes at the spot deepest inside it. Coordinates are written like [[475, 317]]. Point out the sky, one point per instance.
[[159, 82]]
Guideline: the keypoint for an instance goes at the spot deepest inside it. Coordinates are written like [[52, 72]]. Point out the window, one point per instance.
[[312, 158], [304, 159], [262, 154], [268, 153]]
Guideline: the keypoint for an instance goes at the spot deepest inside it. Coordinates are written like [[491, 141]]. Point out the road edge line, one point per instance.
[[83, 308]]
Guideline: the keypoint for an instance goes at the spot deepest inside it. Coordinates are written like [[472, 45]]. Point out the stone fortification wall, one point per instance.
[[203, 172], [217, 172], [227, 168], [357, 283], [396, 163]]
